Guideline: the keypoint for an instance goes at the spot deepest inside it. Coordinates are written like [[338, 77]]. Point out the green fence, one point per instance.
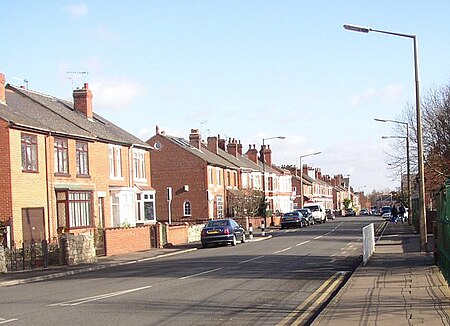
[[442, 237]]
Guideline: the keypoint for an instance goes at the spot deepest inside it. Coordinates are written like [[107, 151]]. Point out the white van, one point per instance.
[[318, 211]]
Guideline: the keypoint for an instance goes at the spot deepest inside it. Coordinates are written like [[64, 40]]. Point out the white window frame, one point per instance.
[[123, 212], [115, 162], [187, 208], [139, 172], [145, 197], [219, 202]]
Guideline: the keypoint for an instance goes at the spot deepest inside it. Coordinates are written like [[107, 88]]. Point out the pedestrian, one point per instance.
[[394, 214], [401, 212]]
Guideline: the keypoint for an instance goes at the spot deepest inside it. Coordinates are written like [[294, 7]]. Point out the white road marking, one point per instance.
[[249, 260], [320, 236], [302, 243], [282, 250], [4, 321], [77, 302], [198, 274]]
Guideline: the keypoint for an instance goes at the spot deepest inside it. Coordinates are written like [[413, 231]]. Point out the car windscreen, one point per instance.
[[313, 208], [217, 223]]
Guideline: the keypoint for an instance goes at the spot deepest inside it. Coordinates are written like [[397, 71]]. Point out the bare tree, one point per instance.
[[435, 108]]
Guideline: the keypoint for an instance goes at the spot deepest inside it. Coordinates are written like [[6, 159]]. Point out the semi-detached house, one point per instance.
[[65, 168], [194, 180]]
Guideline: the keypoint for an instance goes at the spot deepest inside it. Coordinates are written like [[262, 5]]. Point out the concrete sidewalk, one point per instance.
[[52, 272], [398, 286]]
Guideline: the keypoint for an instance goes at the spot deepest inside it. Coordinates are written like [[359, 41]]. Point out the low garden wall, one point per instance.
[[78, 249], [126, 240]]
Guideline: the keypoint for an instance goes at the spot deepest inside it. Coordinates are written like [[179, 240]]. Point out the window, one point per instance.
[[123, 208], [187, 208], [115, 162], [219, 180], [211, 175], [74, 208], [61, 156], [139, 164], [29, 153], [145, 207], [82, 158], [219, 207]]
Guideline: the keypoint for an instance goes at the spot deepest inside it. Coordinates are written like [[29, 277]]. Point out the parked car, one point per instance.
[[330, 214], [318, 211], [386, 212], [292, 220], [350, 212], [363, 211], [306, 212], [223, 231]]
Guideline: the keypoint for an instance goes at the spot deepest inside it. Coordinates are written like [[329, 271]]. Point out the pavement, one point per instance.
[[398, 286]]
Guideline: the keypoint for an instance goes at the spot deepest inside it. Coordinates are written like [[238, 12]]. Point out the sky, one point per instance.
[[242, 69]]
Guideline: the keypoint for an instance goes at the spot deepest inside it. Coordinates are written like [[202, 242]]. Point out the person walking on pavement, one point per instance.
[[401, 212], [394, 214]]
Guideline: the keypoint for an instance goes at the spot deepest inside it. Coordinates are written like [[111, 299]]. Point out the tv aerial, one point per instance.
[[24, 80], [71, 74]]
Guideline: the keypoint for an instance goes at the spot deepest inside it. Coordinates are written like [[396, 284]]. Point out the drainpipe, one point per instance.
[[47, 167], [130, 165]]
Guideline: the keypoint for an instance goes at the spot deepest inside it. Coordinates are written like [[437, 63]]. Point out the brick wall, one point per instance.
[[27, 189], [126, 240], [172, 166], [5, 173], [178, 234]]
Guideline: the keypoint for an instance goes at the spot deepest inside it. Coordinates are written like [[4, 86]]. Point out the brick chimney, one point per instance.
[[232, 147], [213, 145], [2, 89], [221, 143], [194, 138], [252, 153], [239, 148], [82, 101], [267, 155]]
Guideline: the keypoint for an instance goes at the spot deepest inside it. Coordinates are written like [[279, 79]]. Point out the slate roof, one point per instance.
[[32, 110], [202, 153]]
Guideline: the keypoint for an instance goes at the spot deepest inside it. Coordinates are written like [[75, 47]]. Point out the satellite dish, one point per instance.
[[157, 146]]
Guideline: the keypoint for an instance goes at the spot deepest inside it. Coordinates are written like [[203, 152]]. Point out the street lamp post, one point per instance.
[[263, 159], [408, 170], [422, 216], [301, 175]]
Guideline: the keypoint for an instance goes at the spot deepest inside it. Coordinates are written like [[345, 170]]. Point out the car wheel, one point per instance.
[[234, 241], [243, 238]]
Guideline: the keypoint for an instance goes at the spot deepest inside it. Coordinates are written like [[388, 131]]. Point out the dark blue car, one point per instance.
[[223, 231]]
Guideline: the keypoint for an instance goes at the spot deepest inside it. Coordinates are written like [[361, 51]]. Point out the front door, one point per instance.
[[33, 227]]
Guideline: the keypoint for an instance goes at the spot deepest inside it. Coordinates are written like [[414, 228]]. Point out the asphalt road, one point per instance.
[[279, 281]]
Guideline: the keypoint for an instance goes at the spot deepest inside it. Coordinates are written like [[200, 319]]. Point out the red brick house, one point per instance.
[[65, 168], [190, 180]]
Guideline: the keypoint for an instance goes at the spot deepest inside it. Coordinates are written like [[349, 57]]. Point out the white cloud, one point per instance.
[[77, 10], [116, 94], [390, 94]]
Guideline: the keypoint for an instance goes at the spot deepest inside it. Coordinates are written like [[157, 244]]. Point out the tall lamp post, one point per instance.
[[263, 159], [408, 171], [422, 216], [301, 175]]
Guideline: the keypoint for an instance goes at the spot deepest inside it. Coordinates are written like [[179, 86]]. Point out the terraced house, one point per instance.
[[65, 168]]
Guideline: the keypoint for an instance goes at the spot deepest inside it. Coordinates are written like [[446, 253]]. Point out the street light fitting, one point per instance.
[[356, 28], [277, 137], [301, 174]]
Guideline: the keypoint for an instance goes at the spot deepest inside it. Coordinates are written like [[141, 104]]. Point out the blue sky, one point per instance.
[[242, 69]]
